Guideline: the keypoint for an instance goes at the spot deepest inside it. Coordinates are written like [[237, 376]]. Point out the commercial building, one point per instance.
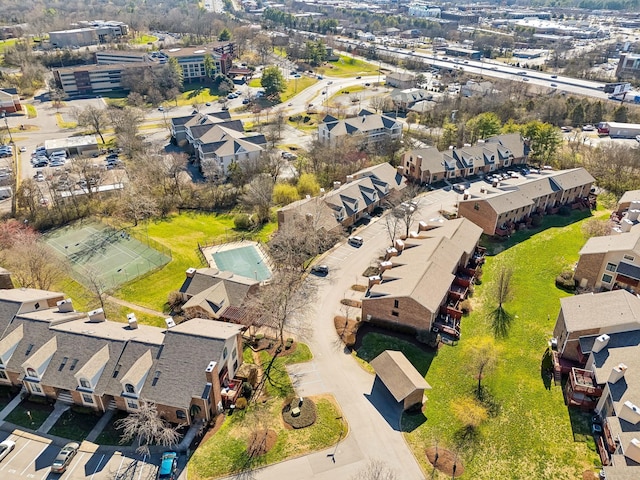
[[10, 101], [400, 80], [91, 79], [192, 60], [84, 145], [89, 33], [463, 52]]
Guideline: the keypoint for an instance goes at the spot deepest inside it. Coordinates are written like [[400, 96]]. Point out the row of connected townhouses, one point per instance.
[[51, 350]]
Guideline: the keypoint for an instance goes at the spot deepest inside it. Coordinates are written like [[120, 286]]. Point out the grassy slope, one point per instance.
[[348, 67], [532, 437], [180, 233]]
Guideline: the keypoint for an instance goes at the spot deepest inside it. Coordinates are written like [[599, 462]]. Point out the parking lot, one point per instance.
[[33, 455]]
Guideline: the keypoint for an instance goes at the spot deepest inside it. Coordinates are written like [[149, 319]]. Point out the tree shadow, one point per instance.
[[546, 369], [488, 401], [464, 438], [500, 322]]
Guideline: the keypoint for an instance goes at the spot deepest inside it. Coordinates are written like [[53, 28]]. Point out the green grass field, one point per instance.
[[144, 39], [348, 67], [195, 94], [533, 434], [31, 110], [4, 44], [181, 233]]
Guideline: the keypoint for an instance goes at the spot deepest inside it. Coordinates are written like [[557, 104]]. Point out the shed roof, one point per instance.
[[398, 374]]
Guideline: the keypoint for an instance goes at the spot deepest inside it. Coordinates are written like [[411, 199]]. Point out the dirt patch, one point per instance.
[[371, 271], [589, 475], [359, 288], [261, 441], [445, 462], [346, 329]]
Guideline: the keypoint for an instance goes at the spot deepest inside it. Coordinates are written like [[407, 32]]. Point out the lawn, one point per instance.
[[5, 396], [195, 94], [74, 425], [348, 67], [297, 85], [30, 414], [280, 384], [374, 344], [533, 434], [180, 233], [110, 435], [144, 39], [31, 110], [225, 451], [255, 83], [4, 44]]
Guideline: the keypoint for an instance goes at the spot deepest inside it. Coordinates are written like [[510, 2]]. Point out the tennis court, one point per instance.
[[246, 260], [113, 256]]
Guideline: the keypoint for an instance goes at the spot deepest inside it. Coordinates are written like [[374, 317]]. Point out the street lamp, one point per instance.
[[6, 124]]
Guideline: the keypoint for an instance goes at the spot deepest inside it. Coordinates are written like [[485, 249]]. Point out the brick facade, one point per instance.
[[411, 315], [480, 213], [588, 269]]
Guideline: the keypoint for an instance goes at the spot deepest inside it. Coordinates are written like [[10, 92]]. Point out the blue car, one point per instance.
[[168, 466]]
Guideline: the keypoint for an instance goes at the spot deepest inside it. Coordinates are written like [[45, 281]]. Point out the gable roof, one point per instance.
[[622, 242], [364, 123], [599, 310], [236, 286], [398, 374]]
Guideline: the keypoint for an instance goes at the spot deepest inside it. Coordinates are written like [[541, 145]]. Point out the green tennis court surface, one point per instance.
[[245, 261], [111, 255]]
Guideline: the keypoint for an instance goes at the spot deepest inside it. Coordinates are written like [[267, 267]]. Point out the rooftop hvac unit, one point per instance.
[[133, 321], [65, 306]]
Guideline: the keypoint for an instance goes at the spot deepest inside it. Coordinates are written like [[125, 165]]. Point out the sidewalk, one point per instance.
[[97, 429], [10, 406], [58, 409]]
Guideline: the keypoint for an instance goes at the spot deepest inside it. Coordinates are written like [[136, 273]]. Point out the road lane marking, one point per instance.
[[34, 459], [76, 465], [119, 467], [97, 466], [143, 464], [15, 454]]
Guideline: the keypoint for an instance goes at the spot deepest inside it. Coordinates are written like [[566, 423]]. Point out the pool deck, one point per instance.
[[209, 251]]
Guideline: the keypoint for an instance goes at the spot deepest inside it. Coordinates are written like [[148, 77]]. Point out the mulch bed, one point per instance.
[[284, 352], [261, 441], [589, 475], [346, 329], [445, 461]]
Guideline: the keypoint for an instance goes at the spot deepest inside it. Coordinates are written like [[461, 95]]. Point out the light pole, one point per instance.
[[6, 124]]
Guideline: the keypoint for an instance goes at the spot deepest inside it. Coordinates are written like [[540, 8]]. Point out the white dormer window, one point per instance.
[[32, 373], [224, 353], [129, 388], [84, 383]]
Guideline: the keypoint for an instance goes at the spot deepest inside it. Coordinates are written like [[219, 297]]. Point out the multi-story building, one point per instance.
[[500, 210], [93, 79], [88, 33], [77, 358], [628, 66], [368, 128], [10, 101], [346, 203], [424, 278], [192, 60], [428, 165]]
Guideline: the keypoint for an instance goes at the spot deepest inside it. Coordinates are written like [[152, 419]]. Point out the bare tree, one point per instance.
[[32, 263], [405, 213], [96, 284], [257, 196], [375, 470], [483, 356], [137, 206], [392, 225], [146, 426], [92, 117], [501, 291]]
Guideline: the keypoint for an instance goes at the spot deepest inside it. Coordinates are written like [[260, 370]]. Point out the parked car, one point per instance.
[[5, 448], [41, 164], [355, 241], [554, 76], [64, 458], [320, 269], [23, 149], [168, 466]]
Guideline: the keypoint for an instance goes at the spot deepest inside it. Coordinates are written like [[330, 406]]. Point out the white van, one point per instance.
[[355, 241], [58, 153]]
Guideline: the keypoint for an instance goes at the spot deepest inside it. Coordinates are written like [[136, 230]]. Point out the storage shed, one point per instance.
[[401, 378]]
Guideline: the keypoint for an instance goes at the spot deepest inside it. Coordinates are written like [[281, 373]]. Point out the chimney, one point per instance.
[[413, 235], [307, 196], [400, 170], [601, 342], [336, 185], [423, 226], [190, 272], [321, 191], [625, 225], [375, 280], [617, 373], [635, 205], [386, 265], [170, 323], [451, 147], [65, 306], [349, 178], [208, 372], [633, 215], [633, 450], [96, 316], [133, 321], [630, 412], [399, 244], [419, 162], [391, 252]]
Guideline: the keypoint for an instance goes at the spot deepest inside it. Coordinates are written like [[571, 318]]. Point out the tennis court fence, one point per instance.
[[149, 242]]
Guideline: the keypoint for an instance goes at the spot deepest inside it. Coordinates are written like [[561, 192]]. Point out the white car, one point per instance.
[[5, 448]]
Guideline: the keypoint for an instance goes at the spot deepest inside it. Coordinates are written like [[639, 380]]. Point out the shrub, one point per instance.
[[465, 306], [536, 220], [247, 390], [241, 403], [565, 281], [175, 301], [259, 336], [242, 221], [564, 211], [351, 303], [306, 415]]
